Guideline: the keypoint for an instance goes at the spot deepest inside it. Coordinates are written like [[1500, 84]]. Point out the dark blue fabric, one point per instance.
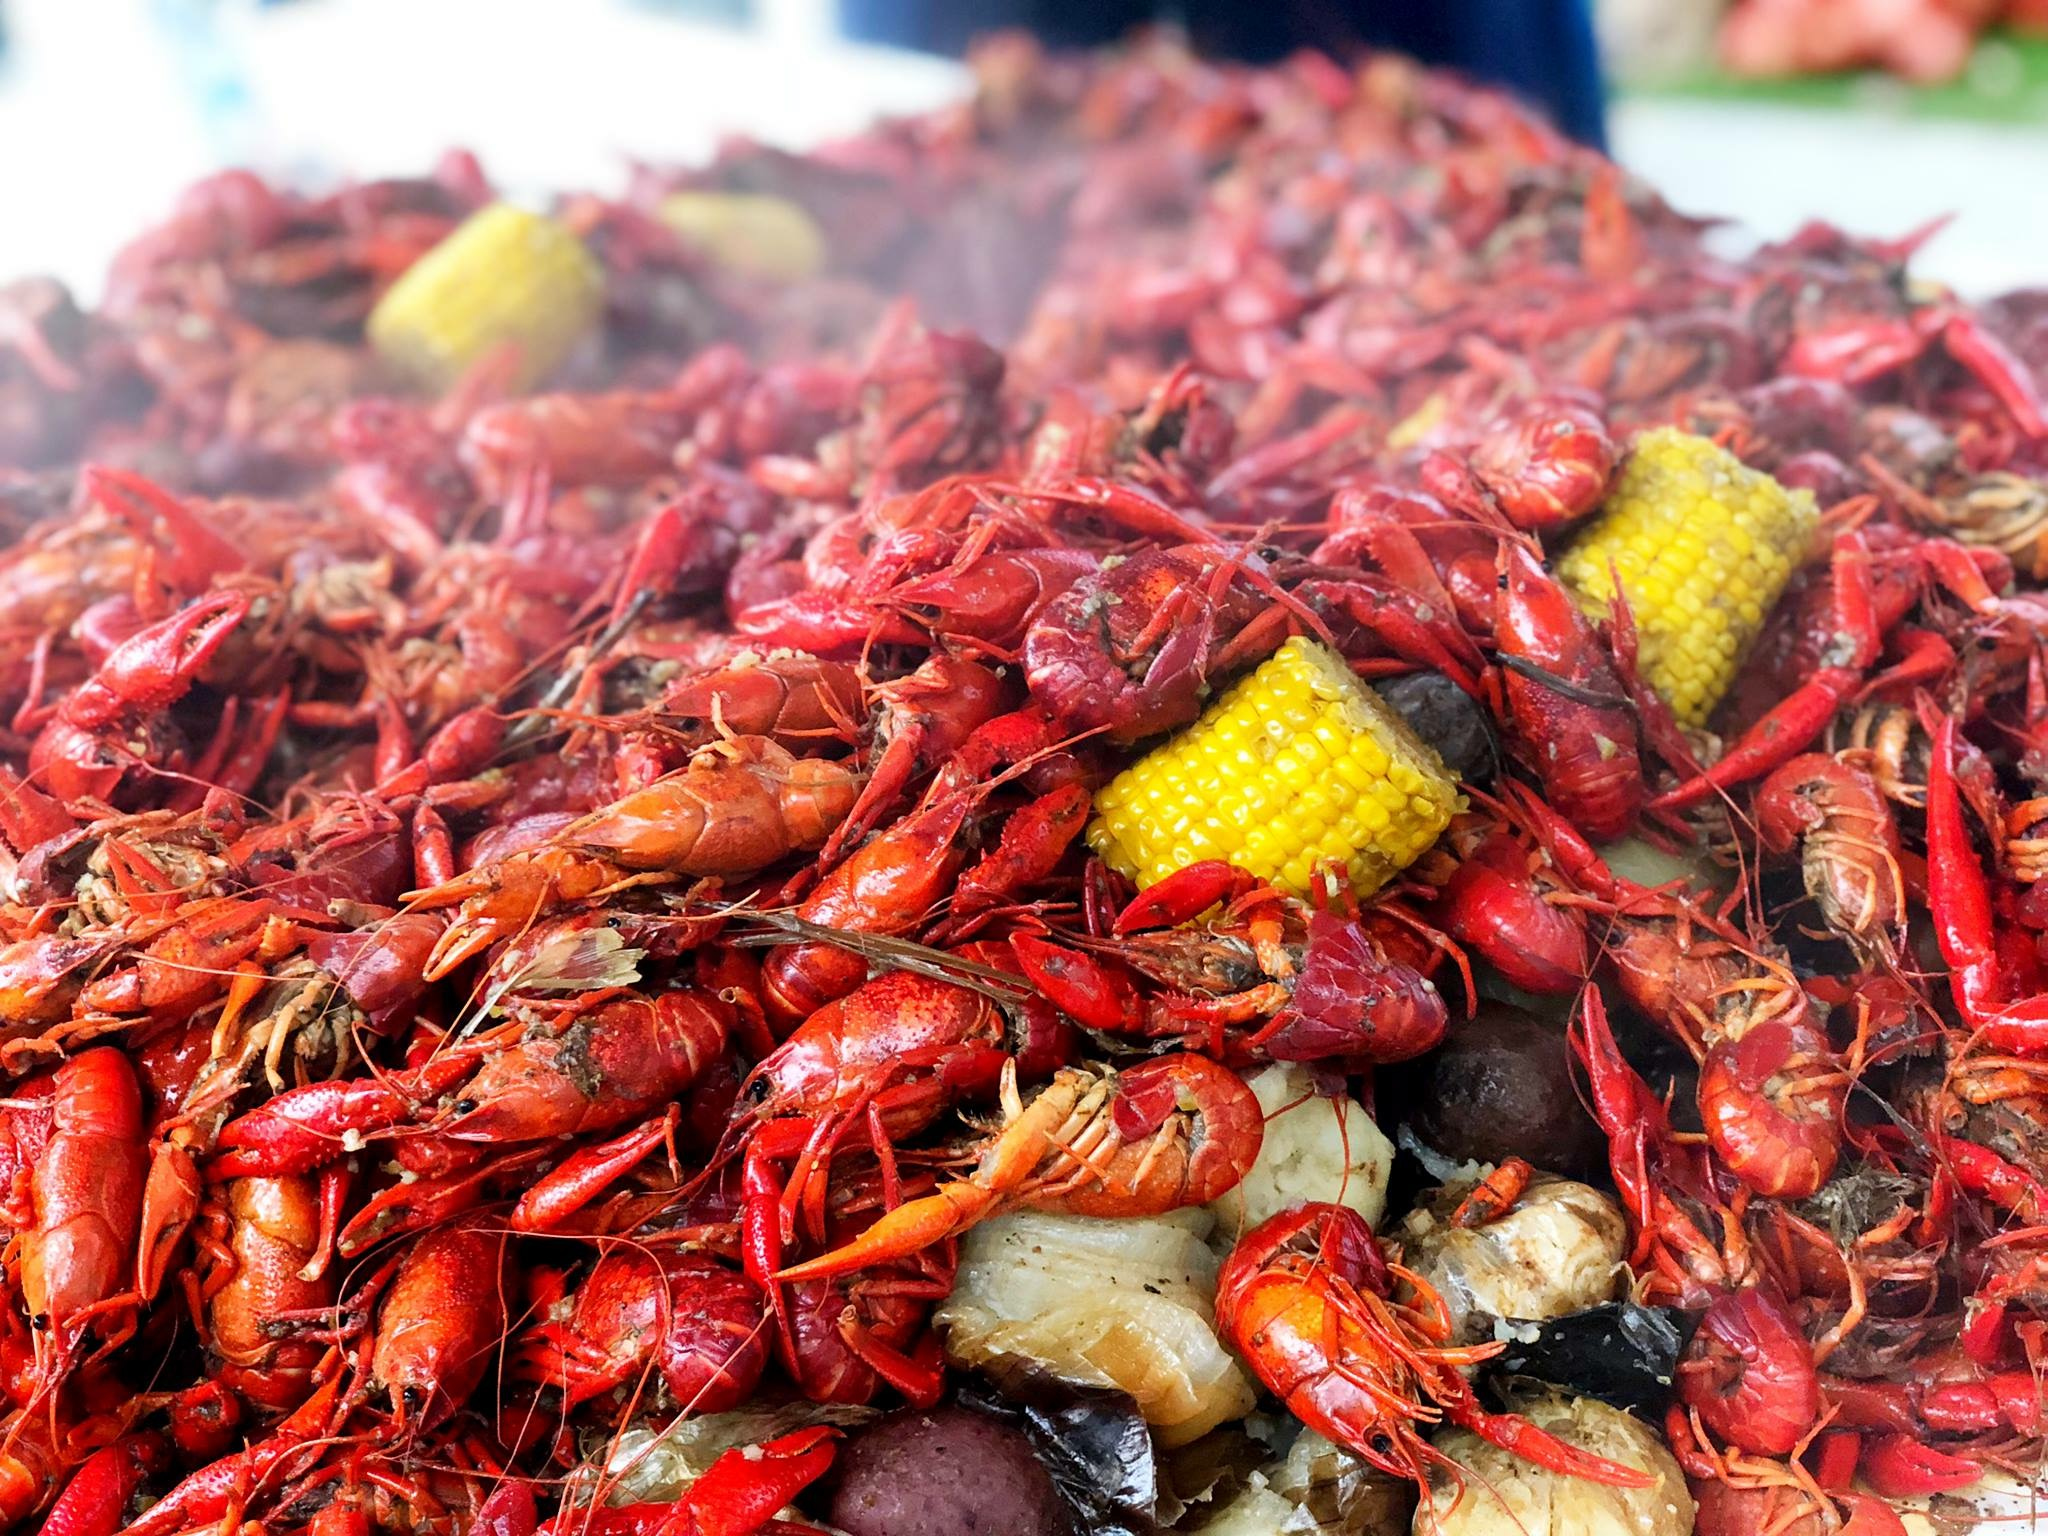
[[1541, 49]]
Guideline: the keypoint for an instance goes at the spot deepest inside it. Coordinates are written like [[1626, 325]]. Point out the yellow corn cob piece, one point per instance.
[[503, 277], [748, 232], [1703, 545], [1298, 765]]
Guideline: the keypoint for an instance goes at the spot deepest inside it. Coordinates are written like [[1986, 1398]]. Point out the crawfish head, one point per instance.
[[1319, 1233], [1772, 1102], [442, 1319], [1129, 648], [1749, 1373], [1351, 999]]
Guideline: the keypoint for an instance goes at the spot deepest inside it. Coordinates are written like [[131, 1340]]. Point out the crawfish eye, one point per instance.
[[689, 722], [465, 1106]]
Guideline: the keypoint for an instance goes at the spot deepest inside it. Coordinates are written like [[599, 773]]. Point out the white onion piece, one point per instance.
[[1316, 1489], [1128, 1304], [1501, 1494], [1558, 1251]]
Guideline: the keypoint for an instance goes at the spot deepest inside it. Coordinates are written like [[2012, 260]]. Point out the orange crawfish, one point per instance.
[[262, 1246], [737, 807], [890, 884], [1173, 1131], [1309, 1301]]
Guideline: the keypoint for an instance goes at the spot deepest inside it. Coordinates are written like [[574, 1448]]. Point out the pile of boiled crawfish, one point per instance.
[[528, 914]]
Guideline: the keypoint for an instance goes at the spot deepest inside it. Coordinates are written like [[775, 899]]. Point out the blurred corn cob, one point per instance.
[[1296, 766], [748, 232], [1703, 546], [505, 278]]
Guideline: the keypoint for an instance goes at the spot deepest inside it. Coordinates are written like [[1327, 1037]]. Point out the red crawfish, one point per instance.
[[1578, 714], [1174, 1131], [1506, 901], [892, 1053], [1546, 464], [1570, 711], [1130, 650], [442, 1320], [1308, 1301], [96, 1500], [604, 1061], [203, 1497], [1959, 898], [1319, 985], [737, 1495], [921, 721], [891, 883], [112, 726], [1669, 1188], [1842, 825], [1797, 720], [1948, 1399], [1861, 348], [987, 599], [700, 1325], [847, 1338], [1736, 1494], [796, 701], [1748, 1373], [77, 1257], [1772, 1084], [618, 438]]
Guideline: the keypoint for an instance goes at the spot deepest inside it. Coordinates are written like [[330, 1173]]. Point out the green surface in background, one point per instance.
[[2007, 82]]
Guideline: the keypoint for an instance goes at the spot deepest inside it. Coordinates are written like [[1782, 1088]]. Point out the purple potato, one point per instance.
[[1501, 1086], [949, 1472]]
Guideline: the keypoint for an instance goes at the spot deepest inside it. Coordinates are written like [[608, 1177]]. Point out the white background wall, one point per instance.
[[107, 107]]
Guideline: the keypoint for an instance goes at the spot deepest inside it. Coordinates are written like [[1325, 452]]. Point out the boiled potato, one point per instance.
[[1124, 1303], [1316, 1148], [1499, 1086]]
